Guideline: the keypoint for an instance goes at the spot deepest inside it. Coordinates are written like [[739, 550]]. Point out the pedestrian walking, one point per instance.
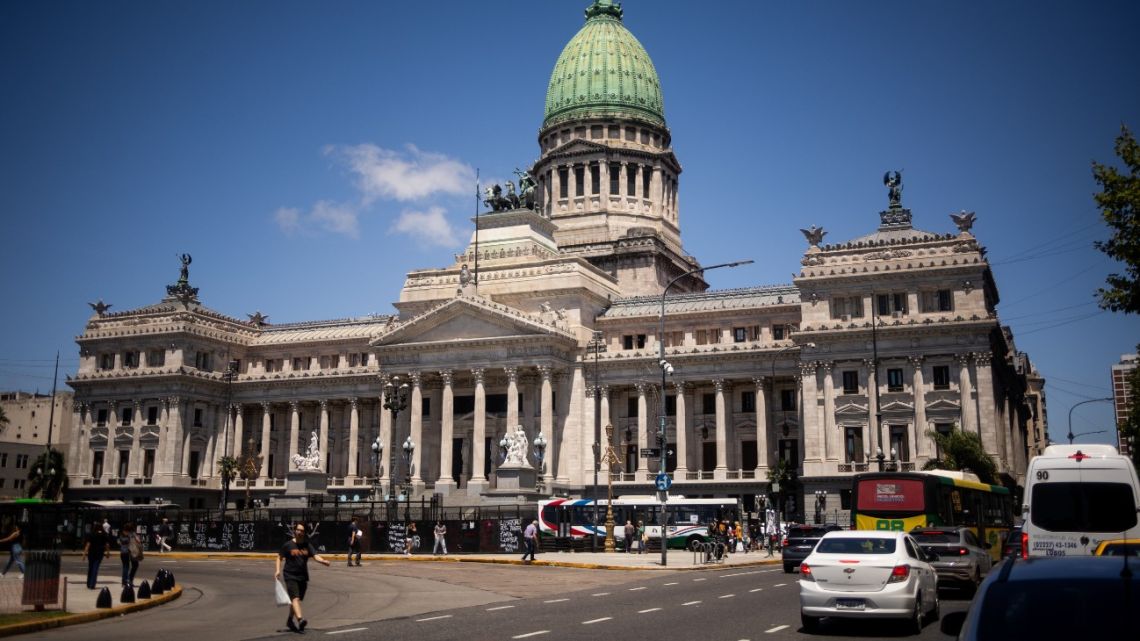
[[440, 538], [354, 536], [162, 536], [642, 537], [409, 538], [96, 547], [629, 534], [106, 527], [530, 539], [14, 539], [293, 559], [130, 552]]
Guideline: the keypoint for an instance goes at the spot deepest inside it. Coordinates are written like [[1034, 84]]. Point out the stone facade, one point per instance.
[[26, 434], [760, 374]]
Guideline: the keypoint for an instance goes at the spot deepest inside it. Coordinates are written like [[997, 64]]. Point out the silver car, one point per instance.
[[868, 574], [962, 560]]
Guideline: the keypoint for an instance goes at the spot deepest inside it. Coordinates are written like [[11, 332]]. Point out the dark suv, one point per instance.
[[801, 541]]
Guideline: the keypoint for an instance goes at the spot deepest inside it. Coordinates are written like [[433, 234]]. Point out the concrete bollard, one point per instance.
[[128, 595], [104, 598], [144, 590]]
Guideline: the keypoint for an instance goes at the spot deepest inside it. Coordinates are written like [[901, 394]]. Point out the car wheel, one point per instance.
[[915, 622], [810, 623], [788, 569]]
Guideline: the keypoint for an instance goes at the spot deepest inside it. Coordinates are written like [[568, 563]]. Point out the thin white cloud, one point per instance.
[[427, 227], [404, 176], [338, 218]]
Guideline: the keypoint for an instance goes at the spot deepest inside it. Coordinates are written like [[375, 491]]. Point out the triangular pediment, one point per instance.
[[469, 318], [851, 409], [898, 406], [944, 405]]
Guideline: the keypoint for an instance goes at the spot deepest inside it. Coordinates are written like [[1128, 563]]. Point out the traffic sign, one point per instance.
[[650, 452], [663, 482]]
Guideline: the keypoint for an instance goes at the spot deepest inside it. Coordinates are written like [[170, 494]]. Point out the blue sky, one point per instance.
[[310, 154]]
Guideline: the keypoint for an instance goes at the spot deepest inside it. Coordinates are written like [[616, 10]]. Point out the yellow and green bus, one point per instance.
[[904, 501]]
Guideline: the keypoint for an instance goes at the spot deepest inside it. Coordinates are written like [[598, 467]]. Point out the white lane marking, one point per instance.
[[535, 634], [442, 616], [555, 600], [596, 620], [649, 610], [726, 596], [725, 576], [601, 594], [691, 603], [779, 585], [701, 579], [348, 630], [775, 629], [501, 607], [636, 589], [671, 583], [757, 590]]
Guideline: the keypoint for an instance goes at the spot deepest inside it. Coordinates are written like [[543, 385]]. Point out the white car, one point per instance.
[[868, 574]]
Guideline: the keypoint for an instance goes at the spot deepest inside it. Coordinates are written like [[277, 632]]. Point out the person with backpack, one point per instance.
[[130, 552]]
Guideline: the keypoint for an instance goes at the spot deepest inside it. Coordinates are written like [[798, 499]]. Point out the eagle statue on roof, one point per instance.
[[964, 220], [814, 235]]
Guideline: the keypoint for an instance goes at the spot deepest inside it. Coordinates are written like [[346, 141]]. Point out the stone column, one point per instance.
[[831, 441], [656, 191], [721, 469], [185, 453], [546, 420], [239, 431], [266, 424], [173, 458], [761, 427], [207, 465], [920, 439], [681, 420], [572, 179], [387, 454], [512, 397], [604, 182], [323, 436], [966, 398], [607, 418], [416, 421], [872, 408], [294, 431], [986, 407], [642, 425], [353, 438], [479, 437], [75, 446], [446, 483], [811, 429], [134, 470]]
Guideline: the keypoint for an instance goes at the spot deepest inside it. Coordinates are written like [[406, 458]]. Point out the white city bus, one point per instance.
[[688, 518]]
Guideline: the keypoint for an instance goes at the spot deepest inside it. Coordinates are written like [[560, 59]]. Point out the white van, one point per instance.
[[1075, 497]]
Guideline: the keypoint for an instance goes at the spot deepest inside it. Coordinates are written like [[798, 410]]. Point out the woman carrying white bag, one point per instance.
[[294, 559]]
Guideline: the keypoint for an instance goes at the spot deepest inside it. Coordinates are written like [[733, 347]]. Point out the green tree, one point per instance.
[[962, 451], [229, 467], [1119, 202], [3, 418], [48, 476]]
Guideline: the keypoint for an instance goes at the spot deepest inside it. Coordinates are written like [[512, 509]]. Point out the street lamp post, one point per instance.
[[377, 454], [775, 357], [409, 448], [1091, 400], [539, 456], [228, 376], [666, 371], [611, 460], [598, 345], [396, 401]]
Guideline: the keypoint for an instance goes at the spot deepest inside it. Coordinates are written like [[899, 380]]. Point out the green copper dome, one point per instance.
[[604, 71]]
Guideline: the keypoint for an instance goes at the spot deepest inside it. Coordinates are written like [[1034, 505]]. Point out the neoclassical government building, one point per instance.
[[549, 319]]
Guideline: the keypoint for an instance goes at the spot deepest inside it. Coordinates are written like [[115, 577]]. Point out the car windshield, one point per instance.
[[935, 537], [856, 545], [1013, 610], [1083, 507], [1121, 549]]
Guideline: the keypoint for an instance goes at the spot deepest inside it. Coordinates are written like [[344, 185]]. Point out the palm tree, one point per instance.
[[3, 418], [48, 476], [962, 451], [229, 467]]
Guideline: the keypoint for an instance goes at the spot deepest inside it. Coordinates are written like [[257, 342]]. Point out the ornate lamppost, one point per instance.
[[597, 343], [228, 463], [611, 459], [409, 448], [396, 401], [539, 455], [377, 454]]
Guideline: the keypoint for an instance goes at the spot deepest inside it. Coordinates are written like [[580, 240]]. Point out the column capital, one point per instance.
[[869, 363], [324, 403], [546, 371], [446, 376], [983, 359], [808, 368], [962, 359], [174, 401], [294, 405], [416, 378], [137, 403], [512, 374], [479, 374], [681, 386], [720, 385], [760, 381], [266, 406], [916, 360], [826, 366], [353, 401], [236, 407], [641, 387]]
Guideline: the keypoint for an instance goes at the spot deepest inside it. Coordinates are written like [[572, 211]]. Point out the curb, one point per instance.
[[87, 617]]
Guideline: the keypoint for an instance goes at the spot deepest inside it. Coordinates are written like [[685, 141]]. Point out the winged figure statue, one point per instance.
[[964, 220], [814, 235]]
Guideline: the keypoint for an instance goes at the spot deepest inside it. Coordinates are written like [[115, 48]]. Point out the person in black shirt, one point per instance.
[[14, 538], [294, 560], [96, 547]]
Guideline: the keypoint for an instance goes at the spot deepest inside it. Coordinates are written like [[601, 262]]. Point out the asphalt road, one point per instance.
[[232, 600]]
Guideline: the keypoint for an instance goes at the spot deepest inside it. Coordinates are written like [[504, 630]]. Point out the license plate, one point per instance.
[[849, 604]]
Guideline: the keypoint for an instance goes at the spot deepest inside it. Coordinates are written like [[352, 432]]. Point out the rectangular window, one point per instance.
[[850, 382], [1089, 506], [748, 401], [702, 336], [714, 336], [3, 459], [21, 461], [595, 179], [463, 405], [148, 464], [152, 415], [124, 463], [853, 444], [364, 359], [156, 358], [884, 303], [898, 303], [195, 458], [130, 359], [615, 178], [641, 341], [631, 180], [563, 182], [579, 180], [96, 464], [627, 341], [900, 444], [646, 177], [847, 306], [754, 332], [894, 380], [777, 332], [941, 377], [615, 131], [788, 400], [596, 132], [425, 407], [630, 134], [101, 417], [631, 406], [106, 361], [197, 417], [353, 360], [945, 300], [708, 403], [326, 362], [670, 406], [674, 339], [127, 415]]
